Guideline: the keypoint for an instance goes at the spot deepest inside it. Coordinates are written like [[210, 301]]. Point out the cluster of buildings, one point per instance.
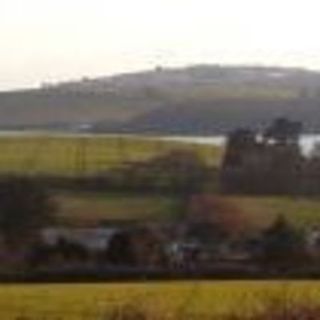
[[153, 247]]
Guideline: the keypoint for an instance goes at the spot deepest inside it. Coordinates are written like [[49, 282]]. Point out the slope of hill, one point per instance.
[[194, 100], [63, 109], [219, 116]]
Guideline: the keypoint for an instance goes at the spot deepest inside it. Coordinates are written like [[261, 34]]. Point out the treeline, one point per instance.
[[174, 172], [270, 161]]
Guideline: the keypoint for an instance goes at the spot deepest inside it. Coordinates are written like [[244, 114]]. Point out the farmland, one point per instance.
[[174, 300], [89, 208], [256, 212], [74, 155], [261, 210]]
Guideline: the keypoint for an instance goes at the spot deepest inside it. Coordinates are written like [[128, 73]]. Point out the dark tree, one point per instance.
[[25, 207], [237, 171], [71, 251], [119, 251], [283, 131], [175, 171], [239, 141], [264, 163], [282, 244], [140, 247]]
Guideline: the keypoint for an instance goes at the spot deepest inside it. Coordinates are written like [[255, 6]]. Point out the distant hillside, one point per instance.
[[63, 109], [222, 115], [162, 80], [194, 100]]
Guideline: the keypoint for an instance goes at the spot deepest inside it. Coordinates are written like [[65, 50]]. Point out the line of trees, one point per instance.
[[269, 162], [25, 208]]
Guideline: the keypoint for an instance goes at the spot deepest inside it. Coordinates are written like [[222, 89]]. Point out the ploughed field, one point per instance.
[[166, 300], [73, 155]]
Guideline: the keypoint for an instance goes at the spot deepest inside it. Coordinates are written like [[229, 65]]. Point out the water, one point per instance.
[[307, 143]]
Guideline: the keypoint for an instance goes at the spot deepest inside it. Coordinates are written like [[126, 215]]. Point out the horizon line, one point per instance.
[[157, 68]]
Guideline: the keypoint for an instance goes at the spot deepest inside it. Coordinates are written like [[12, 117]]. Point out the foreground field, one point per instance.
[[157, 300], [86, 154]]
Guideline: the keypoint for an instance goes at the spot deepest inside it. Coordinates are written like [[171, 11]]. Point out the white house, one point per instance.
[[91, 238]]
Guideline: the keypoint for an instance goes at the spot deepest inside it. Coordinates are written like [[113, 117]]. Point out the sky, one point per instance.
[[60, 40]]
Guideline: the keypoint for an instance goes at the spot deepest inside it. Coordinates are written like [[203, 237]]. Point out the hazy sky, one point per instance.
[[52, 40]]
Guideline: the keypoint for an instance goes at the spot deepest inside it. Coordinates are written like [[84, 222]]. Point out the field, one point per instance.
[[174, 300], [261, 210], [90, 208], [74, 155], [256, 212]]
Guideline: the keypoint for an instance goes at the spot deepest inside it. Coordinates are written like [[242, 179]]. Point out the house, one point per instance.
[[183, 254], [313, 241], [93, 239], [124, 246]]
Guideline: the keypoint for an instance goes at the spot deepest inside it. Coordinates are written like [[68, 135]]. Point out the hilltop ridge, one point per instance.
[[196, 100]]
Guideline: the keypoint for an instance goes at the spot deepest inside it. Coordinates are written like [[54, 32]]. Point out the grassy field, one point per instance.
[[174, 300], [262, 210], [86, 154], [74, 155], [90, 208], [257, 212]]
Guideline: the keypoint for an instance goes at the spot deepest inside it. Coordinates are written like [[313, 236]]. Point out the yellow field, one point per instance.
[[170, 300], [74, 155]]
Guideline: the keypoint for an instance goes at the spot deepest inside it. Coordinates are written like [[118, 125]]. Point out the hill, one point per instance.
[[62, 109], [195, 100], [219, 116]]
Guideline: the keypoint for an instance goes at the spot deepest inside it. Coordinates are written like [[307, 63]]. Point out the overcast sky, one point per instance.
[[53, 40]]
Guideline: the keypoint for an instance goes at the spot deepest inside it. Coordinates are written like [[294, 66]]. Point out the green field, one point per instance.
[[262, 210], [255, 212], [90, 208], [86, 154], [174, 300]]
